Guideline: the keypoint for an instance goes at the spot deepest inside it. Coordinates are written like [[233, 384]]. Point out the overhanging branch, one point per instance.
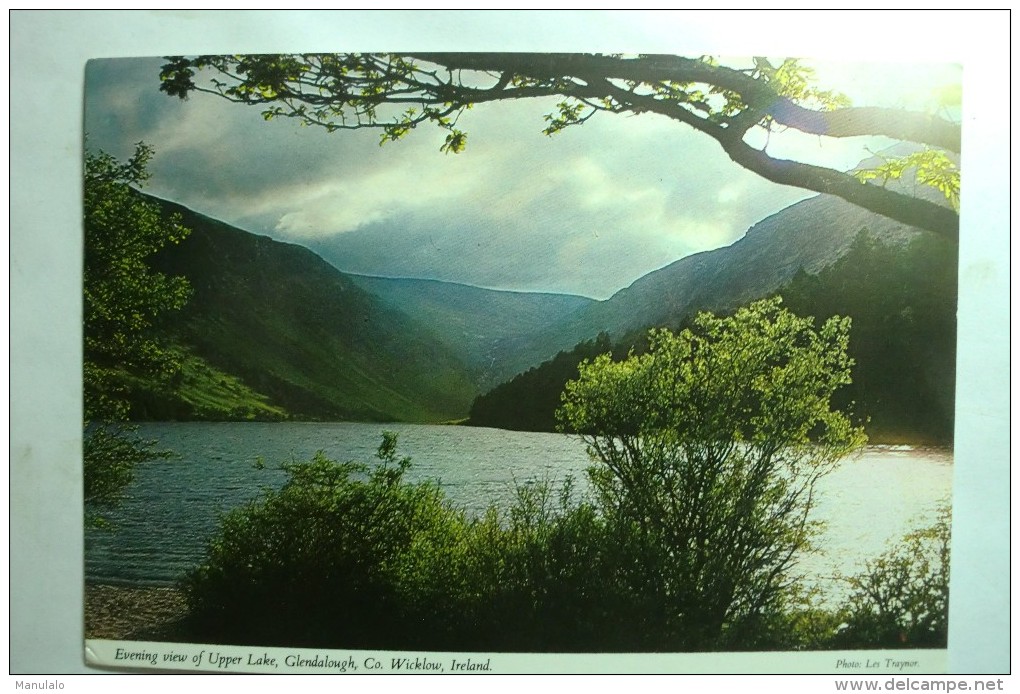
[[903, 208], [351, 86]]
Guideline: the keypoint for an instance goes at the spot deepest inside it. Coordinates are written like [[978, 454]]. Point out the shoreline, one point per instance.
[[126, 613]]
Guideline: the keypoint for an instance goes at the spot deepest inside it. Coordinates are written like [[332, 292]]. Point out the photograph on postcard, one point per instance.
[[503, 353]]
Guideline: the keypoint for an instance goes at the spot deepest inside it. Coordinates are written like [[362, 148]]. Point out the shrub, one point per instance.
[[319, 562], [902, 599], [707, 450], [345, 557]]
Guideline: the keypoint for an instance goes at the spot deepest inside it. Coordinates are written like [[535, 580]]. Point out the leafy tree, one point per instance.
[[397, 93], [707, 450], [123, 302]]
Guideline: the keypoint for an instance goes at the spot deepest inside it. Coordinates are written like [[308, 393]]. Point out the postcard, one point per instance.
[[519, 362]]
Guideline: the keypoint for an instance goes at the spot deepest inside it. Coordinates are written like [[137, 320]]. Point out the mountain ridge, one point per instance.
[[810, 234], [295, 329]]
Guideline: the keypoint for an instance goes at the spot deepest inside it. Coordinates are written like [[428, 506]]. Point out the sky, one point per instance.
[[587, 211]]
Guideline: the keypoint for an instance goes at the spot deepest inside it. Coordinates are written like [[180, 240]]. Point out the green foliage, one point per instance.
[[540, 576], [902, 599], [903, 303], [123, 298], [346, 555], [796, 81], [317, 562], [334, 91], [394, 94], [709, 447], [124, 301], [929, 167]]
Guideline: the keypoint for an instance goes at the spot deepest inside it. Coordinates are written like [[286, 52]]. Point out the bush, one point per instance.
[[320, 562], [345, 557], [707, 452], [902, 599], [547, 575]]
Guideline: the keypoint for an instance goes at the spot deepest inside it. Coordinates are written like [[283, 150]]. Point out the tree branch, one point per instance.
[[903, 208], [351, 86], [846, 122]]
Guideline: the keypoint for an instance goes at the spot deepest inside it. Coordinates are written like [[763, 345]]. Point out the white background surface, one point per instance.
[[48, 55]]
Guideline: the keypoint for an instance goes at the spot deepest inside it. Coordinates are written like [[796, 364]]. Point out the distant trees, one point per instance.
[[123, 302], [529, 400], [396, 93], [902, 299], [707, 450]]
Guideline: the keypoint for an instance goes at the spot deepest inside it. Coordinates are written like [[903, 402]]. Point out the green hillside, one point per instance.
[[274, 329], [487, 328], [902, 300]]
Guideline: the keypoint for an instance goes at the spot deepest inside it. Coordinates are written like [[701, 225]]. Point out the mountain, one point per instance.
[[275, 331], [808, 235], [485, 327], [902, 303], [896, 282], [302, 335]]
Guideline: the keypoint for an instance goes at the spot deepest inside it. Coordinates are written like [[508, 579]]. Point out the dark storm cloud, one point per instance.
[[586, 211]]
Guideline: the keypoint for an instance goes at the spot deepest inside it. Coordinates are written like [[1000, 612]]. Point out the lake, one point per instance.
[[172, 507]]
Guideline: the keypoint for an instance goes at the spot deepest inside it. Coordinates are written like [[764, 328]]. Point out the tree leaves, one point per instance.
[[123, 298], [711, 444], [349, 91], [929, 167], [123, 302]]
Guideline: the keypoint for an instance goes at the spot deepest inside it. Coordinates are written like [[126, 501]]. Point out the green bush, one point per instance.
[[902, 599], [546, 575], [707, 451], [346, 557], [319, 562]]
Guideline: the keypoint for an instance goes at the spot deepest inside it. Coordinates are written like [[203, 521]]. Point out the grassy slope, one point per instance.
[[486, 327], [299, 332], [202, 392]]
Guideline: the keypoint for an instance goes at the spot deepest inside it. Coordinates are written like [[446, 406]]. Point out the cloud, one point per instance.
[[588, 210]]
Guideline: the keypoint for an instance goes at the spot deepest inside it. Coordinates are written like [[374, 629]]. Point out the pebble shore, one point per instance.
[[133, 614]]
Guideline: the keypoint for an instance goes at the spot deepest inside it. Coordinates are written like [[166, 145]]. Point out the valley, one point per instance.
[[275, 332]]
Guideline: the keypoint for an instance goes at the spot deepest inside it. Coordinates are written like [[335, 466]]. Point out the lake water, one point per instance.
[[172, 507]]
